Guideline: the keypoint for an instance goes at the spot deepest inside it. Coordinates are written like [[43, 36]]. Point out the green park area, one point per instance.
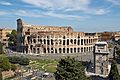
[[44, 65]]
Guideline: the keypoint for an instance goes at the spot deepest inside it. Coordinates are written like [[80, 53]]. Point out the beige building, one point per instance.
[[52, 39], [116, 36], [101, 58], [4, 35]]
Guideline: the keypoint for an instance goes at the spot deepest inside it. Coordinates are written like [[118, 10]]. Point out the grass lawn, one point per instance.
[[50, 67], [44, 65]]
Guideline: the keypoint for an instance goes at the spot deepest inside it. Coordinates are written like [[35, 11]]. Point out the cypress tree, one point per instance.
[[114, 74]]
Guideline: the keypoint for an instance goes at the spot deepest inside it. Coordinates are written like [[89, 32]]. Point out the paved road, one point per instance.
[[80, 56]]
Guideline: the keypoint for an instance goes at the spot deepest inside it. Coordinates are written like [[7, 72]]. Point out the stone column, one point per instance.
[[83, 41]]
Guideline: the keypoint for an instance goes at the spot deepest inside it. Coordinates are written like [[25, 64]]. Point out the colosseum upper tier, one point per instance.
[[33, 39]]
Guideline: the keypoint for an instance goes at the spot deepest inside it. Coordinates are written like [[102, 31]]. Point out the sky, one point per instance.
[[81, 15]]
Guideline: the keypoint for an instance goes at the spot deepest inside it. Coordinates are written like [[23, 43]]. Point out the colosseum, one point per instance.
[[33, 39]]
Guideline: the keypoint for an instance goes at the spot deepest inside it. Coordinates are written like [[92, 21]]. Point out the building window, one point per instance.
[[28, 30], [85, 41], [31, 46], [78, 36], [89, 41], [63, 37], [81, 41], [4, 40], [67, 50], [31, 41], [48, 50], [48, 42], [38, 50], [40, 41], [52, 50], [78, 50], [38, 37], [44, 41], [87, 49], [27, 33], [74, 50], [74, 41], [63, 50], [44, 50], [60, 50], [71, 50], [34, 40], [78, 42], [71, 41], [81, 49], [28, 39], [84, 49], [63, 42], [51, 41], [67, 41], [48, 37], [60, 41], [55, 50]]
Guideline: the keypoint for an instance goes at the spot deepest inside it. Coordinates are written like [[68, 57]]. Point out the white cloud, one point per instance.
[[97, 11], [101, 11], [60, 9], [59, 4], [26, 13], [114, 2], [35, 13], [67, 6], [64, 16], [5, 3]]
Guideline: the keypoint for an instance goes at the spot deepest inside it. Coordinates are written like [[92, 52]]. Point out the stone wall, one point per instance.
[[54, 39]]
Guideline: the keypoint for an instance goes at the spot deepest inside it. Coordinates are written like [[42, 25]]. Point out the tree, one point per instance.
[[4, 63], [0, 74], [114, 74], [70, 69], [118, 52], [119, 41], [14, 59], [13, 67], [24, 61], [18, 60], [110, 45], [12, 38], [1, 48]]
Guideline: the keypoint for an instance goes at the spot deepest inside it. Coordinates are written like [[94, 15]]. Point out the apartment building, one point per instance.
[[4, 35]]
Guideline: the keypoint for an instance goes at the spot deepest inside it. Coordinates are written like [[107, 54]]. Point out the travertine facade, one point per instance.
[[4, 35], [101, 58], [52, 39]]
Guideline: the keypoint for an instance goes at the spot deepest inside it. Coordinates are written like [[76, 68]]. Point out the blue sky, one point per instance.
[[82, 15]]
